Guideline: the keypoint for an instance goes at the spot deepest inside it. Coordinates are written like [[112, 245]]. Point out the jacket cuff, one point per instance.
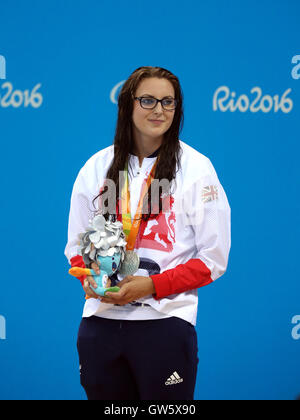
[[161, 285], [189, 276]]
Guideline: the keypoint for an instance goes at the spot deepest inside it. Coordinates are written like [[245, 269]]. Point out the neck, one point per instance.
[[146, 147]]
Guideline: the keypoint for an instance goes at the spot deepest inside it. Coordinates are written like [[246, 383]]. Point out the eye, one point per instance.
[[168, 101], [148, 101]]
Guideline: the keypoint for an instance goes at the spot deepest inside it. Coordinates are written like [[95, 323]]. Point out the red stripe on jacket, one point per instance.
[[184, 277]]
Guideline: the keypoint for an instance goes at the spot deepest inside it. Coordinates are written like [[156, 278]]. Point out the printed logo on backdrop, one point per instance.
[[296, 69], [2, 328], [115, 92], [296, 328], [15, 98], [224, 100], [2, 67]]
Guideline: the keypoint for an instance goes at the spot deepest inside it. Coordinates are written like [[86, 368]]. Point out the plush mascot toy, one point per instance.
[[105, 244]]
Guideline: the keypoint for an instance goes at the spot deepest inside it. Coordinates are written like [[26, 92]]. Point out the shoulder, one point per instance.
[[100, 159], [98, 164], [193, 163], [93, 173]]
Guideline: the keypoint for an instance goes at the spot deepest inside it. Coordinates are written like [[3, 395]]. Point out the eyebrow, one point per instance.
[[151, 96]]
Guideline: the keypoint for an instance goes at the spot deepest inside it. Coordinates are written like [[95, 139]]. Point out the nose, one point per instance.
[[158, 108]]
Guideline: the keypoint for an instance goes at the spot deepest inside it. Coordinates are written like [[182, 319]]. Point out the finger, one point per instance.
[[92, 282], [88, 290], [96, 268], [119, 297], [109, 298], [115, 295], [127, 279]]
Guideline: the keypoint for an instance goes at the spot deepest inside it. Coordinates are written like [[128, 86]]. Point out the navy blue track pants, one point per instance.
[[137, 360]]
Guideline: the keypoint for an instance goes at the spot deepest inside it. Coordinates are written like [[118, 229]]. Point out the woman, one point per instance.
[[140, 343]]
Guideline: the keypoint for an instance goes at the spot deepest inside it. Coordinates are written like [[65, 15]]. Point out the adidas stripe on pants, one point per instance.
[[137, 360]]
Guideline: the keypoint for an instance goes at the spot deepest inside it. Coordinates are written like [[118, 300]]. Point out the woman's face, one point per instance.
[[152, 123]]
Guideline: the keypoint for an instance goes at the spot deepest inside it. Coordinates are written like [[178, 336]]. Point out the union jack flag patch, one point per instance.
[[209, 193]]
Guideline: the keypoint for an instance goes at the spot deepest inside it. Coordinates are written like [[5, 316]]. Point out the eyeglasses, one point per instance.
[[169, 104]]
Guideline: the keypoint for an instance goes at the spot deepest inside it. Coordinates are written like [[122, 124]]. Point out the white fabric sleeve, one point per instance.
[[81, 211], [209, 215]]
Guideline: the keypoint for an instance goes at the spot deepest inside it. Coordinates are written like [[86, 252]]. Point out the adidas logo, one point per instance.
[[174, 379]]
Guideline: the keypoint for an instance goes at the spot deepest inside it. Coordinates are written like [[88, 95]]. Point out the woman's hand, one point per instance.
[[90, 281], [132, 288]]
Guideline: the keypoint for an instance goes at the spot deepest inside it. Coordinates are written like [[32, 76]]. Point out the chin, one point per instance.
[[158, 130], [156, 135]]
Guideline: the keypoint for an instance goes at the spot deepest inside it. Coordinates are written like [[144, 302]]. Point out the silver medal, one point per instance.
[[130, 265]]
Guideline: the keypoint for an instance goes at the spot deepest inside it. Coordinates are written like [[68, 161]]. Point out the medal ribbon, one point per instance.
[[131, 228]]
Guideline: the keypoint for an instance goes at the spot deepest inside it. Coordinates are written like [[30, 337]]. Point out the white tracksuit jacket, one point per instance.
[[184, 248]]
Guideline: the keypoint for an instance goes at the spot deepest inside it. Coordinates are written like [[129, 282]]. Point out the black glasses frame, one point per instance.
[[157, 100]]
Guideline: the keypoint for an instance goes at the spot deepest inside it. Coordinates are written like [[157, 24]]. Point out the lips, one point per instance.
[[156, 121]]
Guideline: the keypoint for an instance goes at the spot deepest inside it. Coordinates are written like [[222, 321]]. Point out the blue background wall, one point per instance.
[[78, 51]]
